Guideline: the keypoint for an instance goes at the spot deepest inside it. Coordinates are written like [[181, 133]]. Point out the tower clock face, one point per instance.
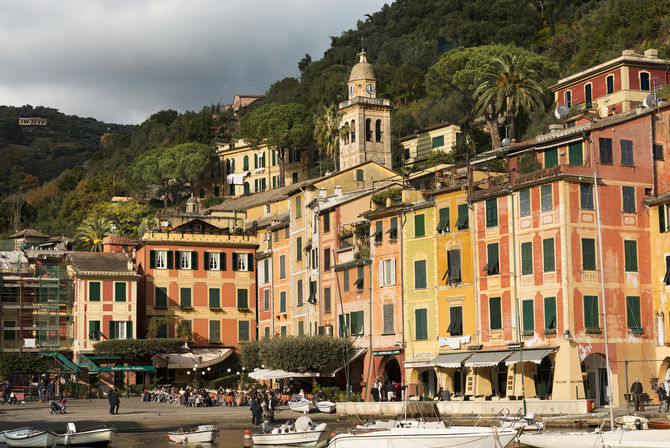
[[370, 88], [352, 90]]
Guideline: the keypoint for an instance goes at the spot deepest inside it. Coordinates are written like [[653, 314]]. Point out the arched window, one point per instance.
[[378, 131], [588, 96], [644, 81], [568, 98], [368, 130], [353, 131], [360, 175], [345, 135], [247, 189], [245, 164]]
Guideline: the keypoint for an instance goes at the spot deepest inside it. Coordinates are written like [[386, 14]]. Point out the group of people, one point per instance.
[[7, 395], [51, 389], [391, 391], [262, 405]]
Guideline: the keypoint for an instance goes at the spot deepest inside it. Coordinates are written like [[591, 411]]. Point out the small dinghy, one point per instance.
[[201, 434], [11, 431], [92, 437], [30, 438], [300, 404], [304, 432], [326, 406], [658, 424]]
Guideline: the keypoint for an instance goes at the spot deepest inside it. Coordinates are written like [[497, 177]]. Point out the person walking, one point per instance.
[[636, 390], [114, 401], [374, 393], [662, 395]]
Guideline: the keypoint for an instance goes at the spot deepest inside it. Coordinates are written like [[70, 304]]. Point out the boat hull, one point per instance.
[[31, 439], [305, 438], [192, 437], [3, 439], [303, 405], [472, 437], [647, 438], [326, 406], [96, 437]]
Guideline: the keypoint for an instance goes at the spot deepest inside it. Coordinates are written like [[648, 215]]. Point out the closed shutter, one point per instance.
[[420, 274], [206, 260], [381, 273], [392, 269], [627, 153], [194, 260], [575, 155], [243, 298], [244, 331], [495, 313], [152, 259], [551, 158], [491, 213], [591, 318], [526, 258], [112, 330], [421, 320], [326, 300], [633, 313], [94, 291], [119, 292], [250, 262], [235, 261], [462, 223], [588, 254], [388, 318], [177, 259], [161, 297], [169, 259], [630, 249], [214, 298], [419, 226], [549, 258], [528, 316], [129, 329], [282, 302], [222, 261], [661, 219]]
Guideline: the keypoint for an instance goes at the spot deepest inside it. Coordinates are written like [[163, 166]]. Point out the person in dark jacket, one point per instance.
[[636, 390], [114, 401]]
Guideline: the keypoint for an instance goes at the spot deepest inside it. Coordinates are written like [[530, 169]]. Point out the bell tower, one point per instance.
[[367, 119]]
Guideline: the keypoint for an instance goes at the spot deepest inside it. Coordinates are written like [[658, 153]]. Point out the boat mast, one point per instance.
[[602, 288]]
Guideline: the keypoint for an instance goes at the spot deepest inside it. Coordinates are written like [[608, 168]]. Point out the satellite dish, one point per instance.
[[651, 100], [505, 142], [603, 111], [561, 112]]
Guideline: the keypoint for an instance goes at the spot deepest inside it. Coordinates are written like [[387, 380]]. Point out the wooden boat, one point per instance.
[[619, 438], [300, 405], [30, 438], [326, 406], [92, 437], [303, 433], [11, 431], [658, 424], [201, 434], [423, 437]]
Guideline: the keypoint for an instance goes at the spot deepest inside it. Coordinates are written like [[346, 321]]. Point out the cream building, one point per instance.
[[418, 146]]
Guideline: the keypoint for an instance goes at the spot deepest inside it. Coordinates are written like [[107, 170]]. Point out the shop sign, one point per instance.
[[127, 369], [386, 352]]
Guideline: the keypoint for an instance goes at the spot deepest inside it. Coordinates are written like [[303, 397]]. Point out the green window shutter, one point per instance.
[[661, 219], [243, 331], [250, 262], [420, 274], [93, 291], [528, 317], [161, 298], [419, 226], [421, 323], [185, 297], [549, 313], [443, 224], [551, 158], [298, 211], [206, 260], [170, 263], [234, 260], [630, 249], [152, 259], [438, 142], [194, 260], [177, 259], [492, 213], [222, 261], [526, 258], [326, 300], [455, 321], [344, 325], [575, 154], [495, 313], [591, 317], [282, 302], [462, 223], [112, 330], [214, 298], [298, 248], [242, 298], [129, 329], [548, 252], [493, 261], [120, 292], [633, 313], [93, 329], [588, 254]]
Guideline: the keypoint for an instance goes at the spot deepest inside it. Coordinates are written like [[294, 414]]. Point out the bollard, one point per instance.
[[247, 439]]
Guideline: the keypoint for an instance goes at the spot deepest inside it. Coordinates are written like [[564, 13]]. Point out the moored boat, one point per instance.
[[658, 424], [11, 431], [303, 433], [326, 406], [30, 438], [300, 405], [618, 438], [92, 437], [201, 434]]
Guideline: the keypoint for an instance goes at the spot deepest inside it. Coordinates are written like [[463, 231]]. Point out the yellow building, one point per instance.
[[418, 146]]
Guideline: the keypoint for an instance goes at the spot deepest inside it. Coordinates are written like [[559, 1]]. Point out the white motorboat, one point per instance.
[[202, 434], [11, 431], [376, 425], [527, 423], [326, 406], [30, 438], [303, 433], [301, 404], [92, 437], [423, 437], [619, 438]]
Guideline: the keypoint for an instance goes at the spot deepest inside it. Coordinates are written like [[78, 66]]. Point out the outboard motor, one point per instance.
[[638, 423]]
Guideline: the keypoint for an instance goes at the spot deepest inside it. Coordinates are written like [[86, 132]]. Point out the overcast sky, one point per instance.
[[122, 60]]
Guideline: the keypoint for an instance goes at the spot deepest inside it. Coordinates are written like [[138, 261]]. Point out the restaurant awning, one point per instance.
[[331, 369], [530, 355], [268, 374], [487, 358], [201, 357], [450, 360]]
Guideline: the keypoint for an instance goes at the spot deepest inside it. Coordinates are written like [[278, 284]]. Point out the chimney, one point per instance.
[[651, 53], [322, 192], [627, 53], [555, 127], [338, 191]]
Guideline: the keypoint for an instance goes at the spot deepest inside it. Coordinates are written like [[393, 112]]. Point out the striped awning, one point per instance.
[[530, 355], [450, 360], [487, 358]]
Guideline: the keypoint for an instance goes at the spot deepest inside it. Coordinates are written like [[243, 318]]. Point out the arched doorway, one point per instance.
[[392, 371], [545, 378], [596, 386]]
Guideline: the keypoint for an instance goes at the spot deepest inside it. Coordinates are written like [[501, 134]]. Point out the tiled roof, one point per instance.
[[96, 262]]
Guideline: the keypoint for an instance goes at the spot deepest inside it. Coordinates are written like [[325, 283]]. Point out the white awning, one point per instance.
[[331, 369], [200, 357], [487, 358], [530, 355], [450, 360], [267, 374]]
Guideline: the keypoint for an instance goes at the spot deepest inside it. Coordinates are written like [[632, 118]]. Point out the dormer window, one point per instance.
[[568, 98], [610, 84]]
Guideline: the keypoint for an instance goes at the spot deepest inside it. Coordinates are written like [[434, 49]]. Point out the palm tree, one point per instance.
[[327, 131], [506, 88], [90, 234]]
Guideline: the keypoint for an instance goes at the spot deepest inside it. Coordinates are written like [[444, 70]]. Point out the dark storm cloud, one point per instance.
[[121, 61]]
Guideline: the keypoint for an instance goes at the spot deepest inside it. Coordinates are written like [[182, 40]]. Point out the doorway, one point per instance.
[[392, 371], [596, 386]]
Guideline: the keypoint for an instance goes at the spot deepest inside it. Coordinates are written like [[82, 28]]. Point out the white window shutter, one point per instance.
[[381, 273], [393, 271]]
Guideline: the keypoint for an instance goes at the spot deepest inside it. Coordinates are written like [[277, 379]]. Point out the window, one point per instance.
[[287, 232], [455, 321], [388, 314], [266, 271], [443, 224], [160, 259], [644, 81], [419, 226], [212, 261], [524, 203], [266, 332], [492, 267], [214, 331], [186, 260], [548, 253], [357, 323], [663, 218], [420, 274], [378, 236], [387, 272], [586, 196], [282, 302], [610, 84], [243, 331], [633, 321], [438, 142], [326, 259], [185, 297], [491, 213], [360, 279], [344, 325], [495, 313], [276, 235], [360, 176], [550, 315], [326, 300], [454, 266], [575, 154], [93, 291], [243, 262], [326, 222], [588, 254], [546, 199], [298, 249], [528, 318], [588, 96], [266, 300], [627, 153], [245, 163], [93, 330], [215, 297], [421, 324], [567, 96], [298, 207], [527, 258], [282, 266], [628, 194], [368, 130], [378, 131], [353, 131], [462, 222], [630, 255], [242, 298], [658, 152], [120, 291], [301, 328], [605, 145], [393, 230], [315, 258], [551, 158], [162, 331], [282, 331], [312, 292], [345, 280], [120, 329], [161, 298], [666, 279]]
